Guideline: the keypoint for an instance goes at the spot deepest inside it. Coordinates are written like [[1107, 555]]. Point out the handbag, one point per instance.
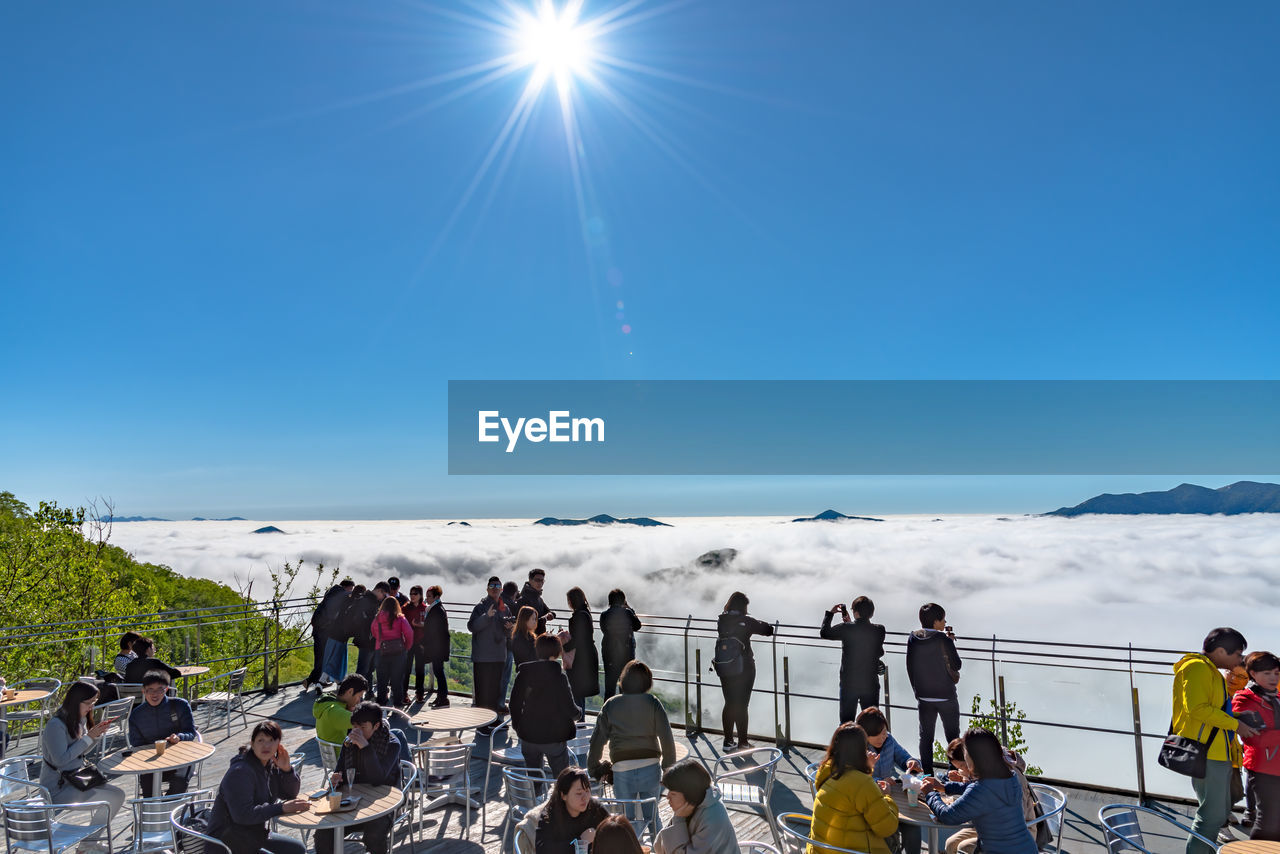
[[85, 777], [392, 646], [1183, 755]]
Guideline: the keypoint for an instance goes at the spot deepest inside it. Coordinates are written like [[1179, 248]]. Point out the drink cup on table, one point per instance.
[[160, 746], [335, 800]]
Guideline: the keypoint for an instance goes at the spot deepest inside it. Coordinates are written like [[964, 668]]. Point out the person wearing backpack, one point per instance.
[[933, 666], [736, 666], [335, 651]]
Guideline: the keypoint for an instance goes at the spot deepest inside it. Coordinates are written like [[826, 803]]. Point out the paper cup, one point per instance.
[[913, 796], [160, 746], [335, 801]]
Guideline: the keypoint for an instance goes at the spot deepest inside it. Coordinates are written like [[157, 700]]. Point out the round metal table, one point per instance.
[[375, 802], [25, 695], [185, 672], [453, 719], [143, 760]]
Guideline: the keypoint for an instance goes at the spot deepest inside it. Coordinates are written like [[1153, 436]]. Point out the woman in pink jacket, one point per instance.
[[392, 638], [1258, 706]]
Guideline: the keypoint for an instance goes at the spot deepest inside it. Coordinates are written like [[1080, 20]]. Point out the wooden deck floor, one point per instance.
[[445, 830]]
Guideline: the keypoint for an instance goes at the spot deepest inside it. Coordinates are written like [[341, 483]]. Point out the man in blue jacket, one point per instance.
[[161, 718]]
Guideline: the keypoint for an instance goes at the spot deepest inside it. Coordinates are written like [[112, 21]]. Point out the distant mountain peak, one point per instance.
[[604, 519], [834, 516], [269, 529], [1245, 496]]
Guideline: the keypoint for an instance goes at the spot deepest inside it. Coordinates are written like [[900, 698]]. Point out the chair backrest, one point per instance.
[[1121, 828], [329, 751], [793, 832], [1052, 803], [130, 690], [441, 763], [579, 746], [19, 779], [189, 840], [525, 787], [235, 680], [811, 775], [28, 821], [750, 846], [119, 730], [408, 779], [39, 685], [152, 824], [634, 810], [745, 763]]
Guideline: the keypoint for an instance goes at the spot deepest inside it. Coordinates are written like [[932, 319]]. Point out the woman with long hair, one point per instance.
[[635, 727], [416, 662], [260, 784], [737, 671], [584, 675], [615, 835], [700, 823], [71, 733], [849, 809], [392, 637], [992, 802], [523, 634], [570, 814]]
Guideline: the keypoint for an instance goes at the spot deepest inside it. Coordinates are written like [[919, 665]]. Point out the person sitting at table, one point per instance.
[[333, 713], [849, 809], [69, 735], [570, 814], [891, 758], [126, 653], [370, 755], [701, 824], [259, 785], [542, 709], [616, 835], [144, 662], [635, 727], [162, 718], [992, 802]]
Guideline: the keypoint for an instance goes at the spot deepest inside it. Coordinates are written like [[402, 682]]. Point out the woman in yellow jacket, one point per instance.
[[850, 811]]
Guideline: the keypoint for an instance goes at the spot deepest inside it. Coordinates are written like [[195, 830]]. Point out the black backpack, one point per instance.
[[727, 658], [198, 821]]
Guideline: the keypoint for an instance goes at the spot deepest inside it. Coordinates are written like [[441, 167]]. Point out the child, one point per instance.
[[890, 758]]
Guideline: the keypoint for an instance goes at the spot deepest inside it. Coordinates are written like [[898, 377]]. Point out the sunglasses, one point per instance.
[[495, 586]]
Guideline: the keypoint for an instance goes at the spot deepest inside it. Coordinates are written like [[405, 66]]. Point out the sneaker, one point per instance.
[[420, 698], [745, 745], [1225, 835], [440, 704], [728, 745]]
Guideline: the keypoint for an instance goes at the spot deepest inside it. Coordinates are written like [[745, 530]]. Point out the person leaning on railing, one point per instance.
[[993, 801], [734, 624], [251, 794], [69, 735]]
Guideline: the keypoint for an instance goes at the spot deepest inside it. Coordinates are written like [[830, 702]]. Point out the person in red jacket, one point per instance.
[[1258, 706]]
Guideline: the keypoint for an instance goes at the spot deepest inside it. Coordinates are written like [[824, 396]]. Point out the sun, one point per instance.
[[554, 43]]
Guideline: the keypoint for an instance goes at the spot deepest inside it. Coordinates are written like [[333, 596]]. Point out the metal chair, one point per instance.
[[524, 793], [641, 812], [132, 690], [404, 813], [36, 713], [579, 746], [1053, 802], [793, 827], [510, 755], [192, 841], [329, 751], [811, 776], [33, 825], [1122, 829], [750, 846], [736, 790], [229, 701], [19, 780], [444, 772], [152, 828], [117, 735]]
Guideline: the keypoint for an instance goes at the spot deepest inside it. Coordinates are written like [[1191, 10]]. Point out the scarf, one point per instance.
[[378, 743], [1270, 697]]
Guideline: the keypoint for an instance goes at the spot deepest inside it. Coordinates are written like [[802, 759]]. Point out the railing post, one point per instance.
[[784, 735], [994, 688], [275, 682], [197, 637], [1137, 733], [888, 706], [777, 720], [688, 710], [1004, 716], [266, 658], [697, 685]]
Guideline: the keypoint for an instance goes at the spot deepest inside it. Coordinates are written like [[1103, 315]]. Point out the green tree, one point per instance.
[[990, 720]]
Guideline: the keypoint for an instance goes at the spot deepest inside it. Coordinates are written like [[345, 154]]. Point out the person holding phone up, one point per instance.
[[69, 735], [259, 785]]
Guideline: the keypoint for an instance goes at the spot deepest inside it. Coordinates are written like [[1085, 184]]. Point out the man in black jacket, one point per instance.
[[161, 718], [145, 650], [435, 645], [542, 708], [862, 647], [618, 627], [324, 616], [933, 666], [360, 623], [531, 595], [370, 755]]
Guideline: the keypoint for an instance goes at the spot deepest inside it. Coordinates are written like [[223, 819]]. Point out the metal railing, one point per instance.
[[796, 674]]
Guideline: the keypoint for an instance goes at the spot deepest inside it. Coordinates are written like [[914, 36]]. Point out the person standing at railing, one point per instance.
[[436, 642], [510, 595], [736, 665], [341, 631], [584, 673], [393, 636], [145, 661], [416, 664], [488, 627], [531, 595], [362, 613], [861, 651], [933, 667], [322, 620], [1259, 704], [618, 627]]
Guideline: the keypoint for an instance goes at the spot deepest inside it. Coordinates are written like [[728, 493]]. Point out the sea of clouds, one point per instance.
[[1153, 581]]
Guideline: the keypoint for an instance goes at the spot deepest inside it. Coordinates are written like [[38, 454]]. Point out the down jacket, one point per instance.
[[995, 808], [1199, 705], [1262, 751], [851, 812]]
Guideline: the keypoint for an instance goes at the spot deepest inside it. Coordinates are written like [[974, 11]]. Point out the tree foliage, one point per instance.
[[990, 720]]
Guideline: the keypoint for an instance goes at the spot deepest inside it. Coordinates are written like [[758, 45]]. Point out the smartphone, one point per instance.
[[318, 794]]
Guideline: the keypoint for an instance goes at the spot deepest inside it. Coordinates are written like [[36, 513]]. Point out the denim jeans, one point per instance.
[[335, 659], [636, 784]]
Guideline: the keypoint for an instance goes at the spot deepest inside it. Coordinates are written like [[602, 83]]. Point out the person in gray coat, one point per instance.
[[701, 824], [488, 627], [69, 735]]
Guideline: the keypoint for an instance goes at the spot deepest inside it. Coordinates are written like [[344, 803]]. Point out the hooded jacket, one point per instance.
[[542, 707], [635, 726], [333, 718], [994, 806], [249, 796], [618, 625], [929, 651], [851, 812], [1262, 751], [1199, 705], [707, 830]]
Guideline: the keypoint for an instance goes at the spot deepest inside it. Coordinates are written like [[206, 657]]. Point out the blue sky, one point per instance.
[[237, 273]]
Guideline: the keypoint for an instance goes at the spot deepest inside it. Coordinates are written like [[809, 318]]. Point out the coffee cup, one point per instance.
[[160, 746], [913, 796], [335, 800]]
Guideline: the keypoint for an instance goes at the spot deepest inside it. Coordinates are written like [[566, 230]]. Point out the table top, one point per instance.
[[192, 670], [375, 801], [454, 718], [682, 752], [26, 695], [920, 814], [1250, 846], [143, 760]]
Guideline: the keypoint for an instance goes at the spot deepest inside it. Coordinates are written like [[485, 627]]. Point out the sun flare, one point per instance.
[[554, 43]]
